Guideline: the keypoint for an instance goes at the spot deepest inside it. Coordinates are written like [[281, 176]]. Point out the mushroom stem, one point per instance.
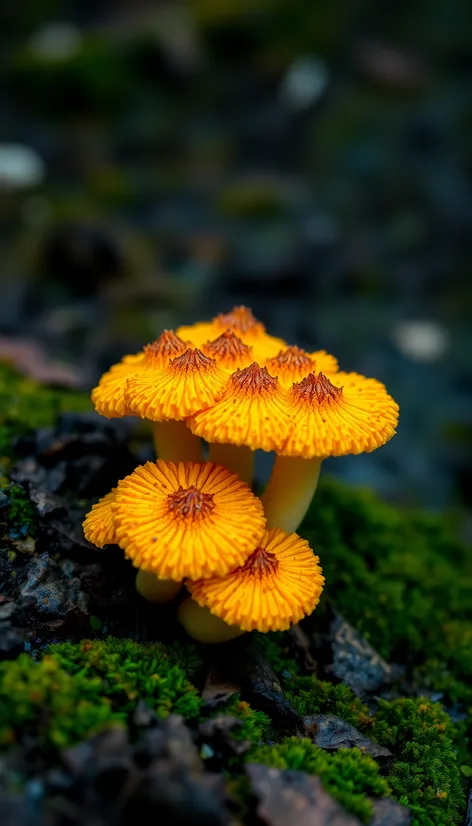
[[156, 590], [174, 442], [203, 626], [238, 459], [290, 490]]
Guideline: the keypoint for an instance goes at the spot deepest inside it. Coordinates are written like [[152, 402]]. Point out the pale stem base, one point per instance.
[[238, 459], [203, 626], [154, 589], [290, 490], [174, 442]]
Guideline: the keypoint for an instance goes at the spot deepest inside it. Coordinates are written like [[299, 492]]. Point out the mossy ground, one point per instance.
[[401, 578], [25, 405]]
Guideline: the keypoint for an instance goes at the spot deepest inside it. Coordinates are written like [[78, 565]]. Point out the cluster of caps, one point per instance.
[[200, 523], [231, 383]]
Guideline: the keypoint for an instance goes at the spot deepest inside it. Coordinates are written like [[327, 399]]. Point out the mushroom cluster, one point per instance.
[[230, 385]]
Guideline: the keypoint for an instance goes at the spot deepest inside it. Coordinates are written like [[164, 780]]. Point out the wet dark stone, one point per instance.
[[4, 501], [330, 732], [281, 793], [59, 606], [389, 813], [356, 662], [161, 779]]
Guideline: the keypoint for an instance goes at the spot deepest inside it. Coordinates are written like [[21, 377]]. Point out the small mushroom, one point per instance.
[[186, 519], [346, 413], [279, 584], [172, 439], [293, 364]]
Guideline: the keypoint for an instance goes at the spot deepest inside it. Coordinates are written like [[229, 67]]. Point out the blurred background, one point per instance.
[[163, 161]]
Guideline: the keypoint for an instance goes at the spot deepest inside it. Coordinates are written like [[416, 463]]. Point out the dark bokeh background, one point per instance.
[[160, 162]]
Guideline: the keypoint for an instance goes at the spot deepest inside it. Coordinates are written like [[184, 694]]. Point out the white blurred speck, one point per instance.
[[56, 41], [305, 82], [20, 166], [422, 341]]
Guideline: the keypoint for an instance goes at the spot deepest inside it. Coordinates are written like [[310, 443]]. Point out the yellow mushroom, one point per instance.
[[186, 519], [279, 584], [172, 439], [345, 413]]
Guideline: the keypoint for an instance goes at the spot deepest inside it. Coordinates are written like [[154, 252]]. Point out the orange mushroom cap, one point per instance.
[[252, 411], [186, 519], [229, 351], [293, 364], [189, 383], [109, 396], [279, 584], [345, 413], [99, 524], [242, 322]]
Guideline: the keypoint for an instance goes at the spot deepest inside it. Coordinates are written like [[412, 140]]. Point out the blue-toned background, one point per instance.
[[160, 162]]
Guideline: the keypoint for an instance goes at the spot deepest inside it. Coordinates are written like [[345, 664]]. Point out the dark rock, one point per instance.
[[389, 813], [29, 471], [162, 779], [301, 647], [329, 732], [283, 793], [216, 693], [4, 501], [45, 502], [356, 662], [57, 603], [143, 716], [241, 663], [170, 740], [11, 641]]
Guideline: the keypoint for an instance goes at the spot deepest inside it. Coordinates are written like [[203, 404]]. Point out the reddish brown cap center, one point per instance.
[[260, 563], [239, 319], [191, 503], [293, 357], [228, 345], [254, 380], [317, 389], [192, 360], [168, 345]]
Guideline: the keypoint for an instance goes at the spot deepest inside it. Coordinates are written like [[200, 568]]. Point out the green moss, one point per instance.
[[43, 701], [426, 773], [131, 671], [312, 696], [255, 725], [402, 579], [348, 775], [21, 514], [77, 689], [26, 405]]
